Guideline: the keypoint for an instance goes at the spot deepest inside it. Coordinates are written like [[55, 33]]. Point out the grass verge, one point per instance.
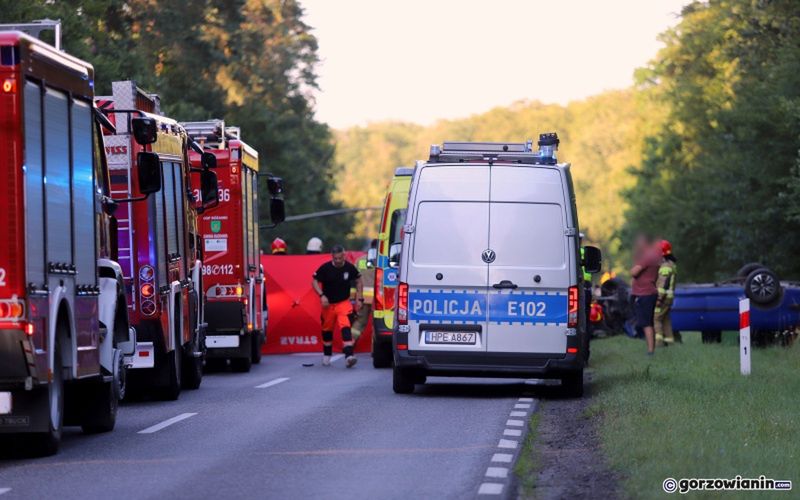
[[687, 412], [527, 466]]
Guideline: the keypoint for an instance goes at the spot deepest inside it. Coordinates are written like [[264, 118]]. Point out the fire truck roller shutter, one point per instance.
[[34, 187], [83, 193], [57, 173]]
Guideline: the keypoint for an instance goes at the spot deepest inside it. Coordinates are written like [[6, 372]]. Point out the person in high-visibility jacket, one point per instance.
[[665, 283]]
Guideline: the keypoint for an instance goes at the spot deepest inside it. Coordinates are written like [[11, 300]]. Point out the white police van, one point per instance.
[[490, 269]]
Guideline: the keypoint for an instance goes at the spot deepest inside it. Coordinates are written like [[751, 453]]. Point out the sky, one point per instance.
[[424, 60]]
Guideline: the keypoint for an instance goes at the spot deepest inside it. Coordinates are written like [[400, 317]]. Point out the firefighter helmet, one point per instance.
[[314, 245], [278, 246], [666, 247]]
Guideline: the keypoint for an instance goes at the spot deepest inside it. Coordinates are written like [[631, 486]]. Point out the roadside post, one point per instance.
[[744, 336]]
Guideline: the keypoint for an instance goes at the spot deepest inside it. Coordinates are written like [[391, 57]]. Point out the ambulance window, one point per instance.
[[396, 231], [451, 233]]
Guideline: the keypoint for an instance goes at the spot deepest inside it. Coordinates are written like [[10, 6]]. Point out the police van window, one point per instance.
[[536, 238], [451, 233], [396, 227]]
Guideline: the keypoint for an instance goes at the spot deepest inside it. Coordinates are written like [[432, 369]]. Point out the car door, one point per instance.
[[446, 276], [529, 275]]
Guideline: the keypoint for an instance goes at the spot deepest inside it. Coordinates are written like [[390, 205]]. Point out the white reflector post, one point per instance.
[[744, 336]]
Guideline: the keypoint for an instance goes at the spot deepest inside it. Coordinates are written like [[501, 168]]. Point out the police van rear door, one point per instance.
[[446, 276], [529, 277]]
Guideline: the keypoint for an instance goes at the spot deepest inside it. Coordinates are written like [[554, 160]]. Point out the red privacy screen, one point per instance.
[[294, 310]]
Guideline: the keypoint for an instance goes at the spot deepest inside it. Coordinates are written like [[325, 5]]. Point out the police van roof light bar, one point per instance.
[[522, 152]]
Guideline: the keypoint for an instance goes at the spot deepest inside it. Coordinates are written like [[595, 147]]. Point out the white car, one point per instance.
[[490, 268]]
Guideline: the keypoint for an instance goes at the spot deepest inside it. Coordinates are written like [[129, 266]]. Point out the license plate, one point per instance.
[[5, 403], [459, 338]]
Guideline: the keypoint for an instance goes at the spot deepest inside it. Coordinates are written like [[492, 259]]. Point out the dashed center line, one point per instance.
[[167, 423], [272, 382]]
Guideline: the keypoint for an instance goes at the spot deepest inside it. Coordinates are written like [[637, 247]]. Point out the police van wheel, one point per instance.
[[402, 381], [572, 384]]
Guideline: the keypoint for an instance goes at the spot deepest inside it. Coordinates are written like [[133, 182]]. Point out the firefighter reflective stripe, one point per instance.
[[666, 279]]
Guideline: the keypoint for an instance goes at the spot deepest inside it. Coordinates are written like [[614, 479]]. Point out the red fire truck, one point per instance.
[[236, 310], [64, 331], [158, 248]]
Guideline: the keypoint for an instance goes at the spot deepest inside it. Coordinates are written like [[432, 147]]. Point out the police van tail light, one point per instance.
[[402, 304], [572, 307], [378, 298]]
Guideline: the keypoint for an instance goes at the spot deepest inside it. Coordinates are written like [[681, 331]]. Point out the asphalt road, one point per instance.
[[288, 431]]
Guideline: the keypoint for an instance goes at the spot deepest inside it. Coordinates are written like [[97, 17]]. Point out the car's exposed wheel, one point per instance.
[[762, 287], [572, 384], [746, 269], [381, 355], [402, 381], [711, 336]]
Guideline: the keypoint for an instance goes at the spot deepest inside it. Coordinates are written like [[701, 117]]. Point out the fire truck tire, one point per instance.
[[192, 371], [47, 443], [258, 341], [241, 365], [101, 408], [171, 390]]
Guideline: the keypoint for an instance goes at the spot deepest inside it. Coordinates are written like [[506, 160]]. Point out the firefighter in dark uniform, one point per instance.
[[332, 282]]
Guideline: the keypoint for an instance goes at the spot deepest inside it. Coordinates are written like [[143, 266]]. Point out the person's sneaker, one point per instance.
[[351, 361], [326, 361]]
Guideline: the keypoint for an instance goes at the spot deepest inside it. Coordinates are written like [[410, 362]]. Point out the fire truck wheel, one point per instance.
[[258, 341], [241, 365], [47, 443], [101, 408], [172, 389], [192, 371]]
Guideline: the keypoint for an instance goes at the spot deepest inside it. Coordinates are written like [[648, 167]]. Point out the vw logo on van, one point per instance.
[[488, 255]]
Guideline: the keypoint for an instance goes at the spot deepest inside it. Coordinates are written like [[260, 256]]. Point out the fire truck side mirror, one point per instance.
[[208, 160], [209, 186], [274, 185], [145, 130], [149, 169], [277, 210]]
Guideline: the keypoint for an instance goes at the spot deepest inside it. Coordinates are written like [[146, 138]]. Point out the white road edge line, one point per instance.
[[498, 472], [490, 489], [515, 423], [512, 432], [526, 400], [507, 443], [518, 414], [522, 406], [504, 458], [272, 382], [4, 490], [167, 423]]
